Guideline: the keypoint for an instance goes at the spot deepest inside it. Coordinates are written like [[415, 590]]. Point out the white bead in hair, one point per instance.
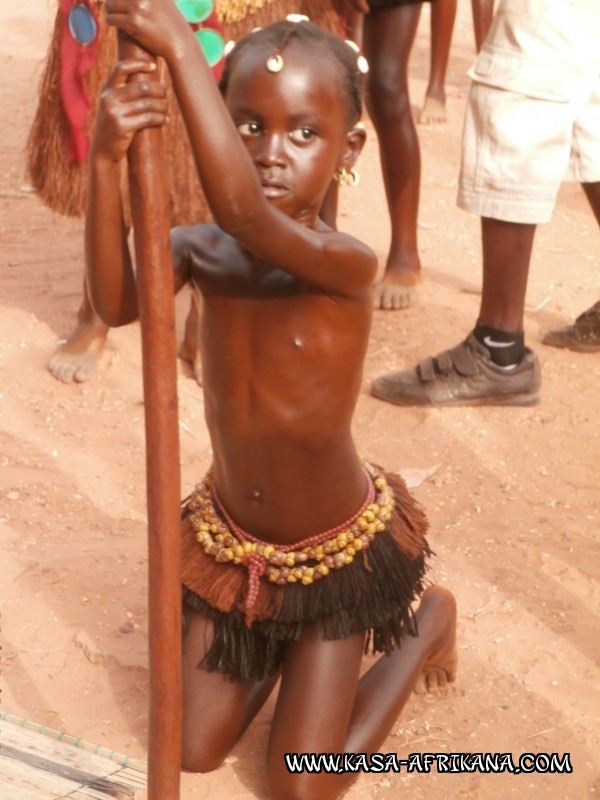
[[275, 62], [362, 64], [297, 18]]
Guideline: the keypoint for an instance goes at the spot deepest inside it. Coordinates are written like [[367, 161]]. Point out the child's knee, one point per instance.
[[204, 748], [388, 101], [199, 756]]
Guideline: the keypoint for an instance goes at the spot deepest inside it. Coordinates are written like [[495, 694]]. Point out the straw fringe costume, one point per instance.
[[60, 178], [260, 596]]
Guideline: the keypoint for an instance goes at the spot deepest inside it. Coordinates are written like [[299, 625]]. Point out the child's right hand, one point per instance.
[[128, 103]]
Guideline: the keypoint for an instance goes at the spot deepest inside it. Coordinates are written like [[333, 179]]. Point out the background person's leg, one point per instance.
[[443, 14], [506, 250], [483, 13], [388, 35]]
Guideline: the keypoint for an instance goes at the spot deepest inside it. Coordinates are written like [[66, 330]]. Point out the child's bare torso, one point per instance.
[[282, 366]]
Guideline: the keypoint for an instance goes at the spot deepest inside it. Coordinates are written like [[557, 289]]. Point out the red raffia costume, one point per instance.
[[58, 142]]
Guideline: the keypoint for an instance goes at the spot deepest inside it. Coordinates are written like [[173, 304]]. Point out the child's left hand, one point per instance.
[[157, 25], [126, 106]]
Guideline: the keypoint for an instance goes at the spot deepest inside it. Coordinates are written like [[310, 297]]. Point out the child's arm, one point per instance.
[[335, 262], [125, 107]]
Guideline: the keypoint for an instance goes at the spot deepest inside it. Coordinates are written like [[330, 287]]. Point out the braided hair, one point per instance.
[[312, 38]]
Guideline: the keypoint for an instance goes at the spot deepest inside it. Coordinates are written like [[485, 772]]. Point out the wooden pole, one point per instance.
[[157, 319]]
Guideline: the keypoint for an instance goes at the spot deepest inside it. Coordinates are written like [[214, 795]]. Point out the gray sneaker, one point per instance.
[[463, 376], [583, 335]]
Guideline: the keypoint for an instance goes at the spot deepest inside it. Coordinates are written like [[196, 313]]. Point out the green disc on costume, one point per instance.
[[195, 11], [212, 44], [82, 25]]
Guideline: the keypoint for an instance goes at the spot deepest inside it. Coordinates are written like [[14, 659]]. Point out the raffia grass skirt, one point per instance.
[[61, 183], [372, 595]]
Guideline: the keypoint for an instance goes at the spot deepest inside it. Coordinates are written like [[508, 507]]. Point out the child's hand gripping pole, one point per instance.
[[157, 319]]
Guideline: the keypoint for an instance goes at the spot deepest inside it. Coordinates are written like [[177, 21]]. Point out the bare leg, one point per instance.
[[506, 255], [190, 347], [216, 710], [443, 13], [76, 360], [388, 36], [323, 708], [483, 13]]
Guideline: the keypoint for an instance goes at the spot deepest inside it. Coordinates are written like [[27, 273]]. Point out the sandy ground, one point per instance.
[[512, 493]]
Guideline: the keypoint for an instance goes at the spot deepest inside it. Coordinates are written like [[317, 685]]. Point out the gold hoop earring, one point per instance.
[[347, 177]]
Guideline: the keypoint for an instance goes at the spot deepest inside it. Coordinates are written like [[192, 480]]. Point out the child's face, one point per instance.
[[294, 124]]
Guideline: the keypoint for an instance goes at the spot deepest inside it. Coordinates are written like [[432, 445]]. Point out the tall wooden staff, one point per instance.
[[157, 318]]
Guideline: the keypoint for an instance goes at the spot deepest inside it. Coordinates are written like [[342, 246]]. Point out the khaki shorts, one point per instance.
[[533, 115]]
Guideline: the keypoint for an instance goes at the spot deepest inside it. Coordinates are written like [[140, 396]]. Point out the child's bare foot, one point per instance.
[[433, 111], [76, 359], [397, 290], [438, 608]]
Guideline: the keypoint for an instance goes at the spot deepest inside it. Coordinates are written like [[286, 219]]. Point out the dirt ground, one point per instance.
[[512, 493]]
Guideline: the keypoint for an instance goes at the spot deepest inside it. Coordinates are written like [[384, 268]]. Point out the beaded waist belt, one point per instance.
[[301, 562]]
